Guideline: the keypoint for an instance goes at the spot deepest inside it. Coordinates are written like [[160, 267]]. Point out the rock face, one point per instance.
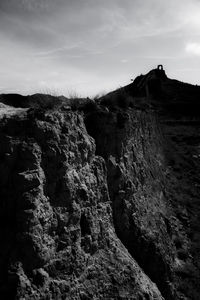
[[136, 181], [102, 202], [57, 234]]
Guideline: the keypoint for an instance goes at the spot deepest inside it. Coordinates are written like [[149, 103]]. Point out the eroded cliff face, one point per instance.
[[102, 202], [58, 239], [153, 176], [133, 150]]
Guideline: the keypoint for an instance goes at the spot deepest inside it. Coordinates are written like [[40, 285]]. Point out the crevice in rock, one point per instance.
[[85, 226]]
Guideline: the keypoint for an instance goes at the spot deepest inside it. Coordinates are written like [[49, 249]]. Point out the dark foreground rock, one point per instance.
[[56, 227]]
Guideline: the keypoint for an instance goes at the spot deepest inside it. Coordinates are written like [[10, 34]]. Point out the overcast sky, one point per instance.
[[94, 46]]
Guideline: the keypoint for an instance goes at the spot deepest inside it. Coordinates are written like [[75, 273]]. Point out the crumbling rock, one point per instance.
[[58, 239]]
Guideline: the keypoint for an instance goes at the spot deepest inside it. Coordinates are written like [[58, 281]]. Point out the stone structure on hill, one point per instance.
[[160, 67]]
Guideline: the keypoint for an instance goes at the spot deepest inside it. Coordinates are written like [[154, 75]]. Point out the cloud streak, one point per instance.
[[193, 48]]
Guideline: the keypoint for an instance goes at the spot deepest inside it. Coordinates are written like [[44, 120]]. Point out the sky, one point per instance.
[[90, 47]]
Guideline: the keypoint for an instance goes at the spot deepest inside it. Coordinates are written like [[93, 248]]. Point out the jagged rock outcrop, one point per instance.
[[101, 201], [56, 228]]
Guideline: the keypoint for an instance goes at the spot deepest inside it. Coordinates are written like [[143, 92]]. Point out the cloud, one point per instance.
[[124, 61], [99, 24], [193, 48], [92, 39], [27, 6]]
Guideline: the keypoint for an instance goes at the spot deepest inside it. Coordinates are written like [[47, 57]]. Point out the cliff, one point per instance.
[[101, 200]]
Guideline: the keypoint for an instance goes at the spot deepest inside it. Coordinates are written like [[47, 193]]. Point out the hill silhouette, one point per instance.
[[155, 89]]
